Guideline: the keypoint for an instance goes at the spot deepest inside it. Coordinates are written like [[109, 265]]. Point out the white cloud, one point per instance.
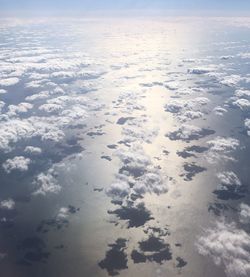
[[63, 213], [19, 163], [244, 213], [3, 91], [242, 103], [200, 70], [187, 109], [118, 190], [32, 150], [219, 110], [228, 246], [46, 183], [187, 132], [247, 125], [227, 179], [19, 109], [242, 93], [8, 204], [221, 149], [9, 82]]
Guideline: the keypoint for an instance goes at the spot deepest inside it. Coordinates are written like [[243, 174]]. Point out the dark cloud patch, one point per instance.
[[137, 215], [108, 158], [219, 208], [94, 134], [191, 169], [34, 251], [112, 146], [180, 262], [133, 171], [153, 249], [116, 258], [189, 151], [56, 223], [123, 120], [161, 232]]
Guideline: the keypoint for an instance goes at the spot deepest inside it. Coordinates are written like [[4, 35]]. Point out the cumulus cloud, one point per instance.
[[242, 103], [221, 149], [63, 213], [244, 213], [228, 246], [46, 183], [187, 109], [227, 179], [9, 82], [219, 110], [8, 204], [32, 150], [18, 163], [118, 190], [3, 91], [189, 132], [19, 109], [247, 125]]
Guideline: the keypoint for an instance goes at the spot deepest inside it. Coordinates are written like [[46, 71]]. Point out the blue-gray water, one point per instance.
[[124, 147]]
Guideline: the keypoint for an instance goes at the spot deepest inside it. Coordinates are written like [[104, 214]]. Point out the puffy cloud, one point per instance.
[[247, 125], [63, 213], [3, 91], [230, 80], [219, 110], [20, 108], [241, 93], [244, 213], [32, 150], [242, 103], [118, 190], [228, 246], [189, 132], [245, 55], [221, 148], [227, 179], [9, 82], [8, 204], [46, 183], [19, 163], [187, 109]]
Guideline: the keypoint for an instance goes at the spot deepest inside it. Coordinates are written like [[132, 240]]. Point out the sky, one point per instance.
[[78, 6]]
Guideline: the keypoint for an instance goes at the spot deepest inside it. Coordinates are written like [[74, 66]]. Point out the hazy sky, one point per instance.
[[217, 6]]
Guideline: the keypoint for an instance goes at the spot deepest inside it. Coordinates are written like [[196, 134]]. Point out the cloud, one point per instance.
[[244, 213], [187, 109], [19, 109], [9, 82], [219, 110], [8, 204], [221, 149], [228, 178], [3, 91], [242, 93], [46, 183], [19, 163], [189, 132], [200, 70], [228, 246], [118, 190], [242, 103], [32, 150], [247, 125], [63, 213]]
